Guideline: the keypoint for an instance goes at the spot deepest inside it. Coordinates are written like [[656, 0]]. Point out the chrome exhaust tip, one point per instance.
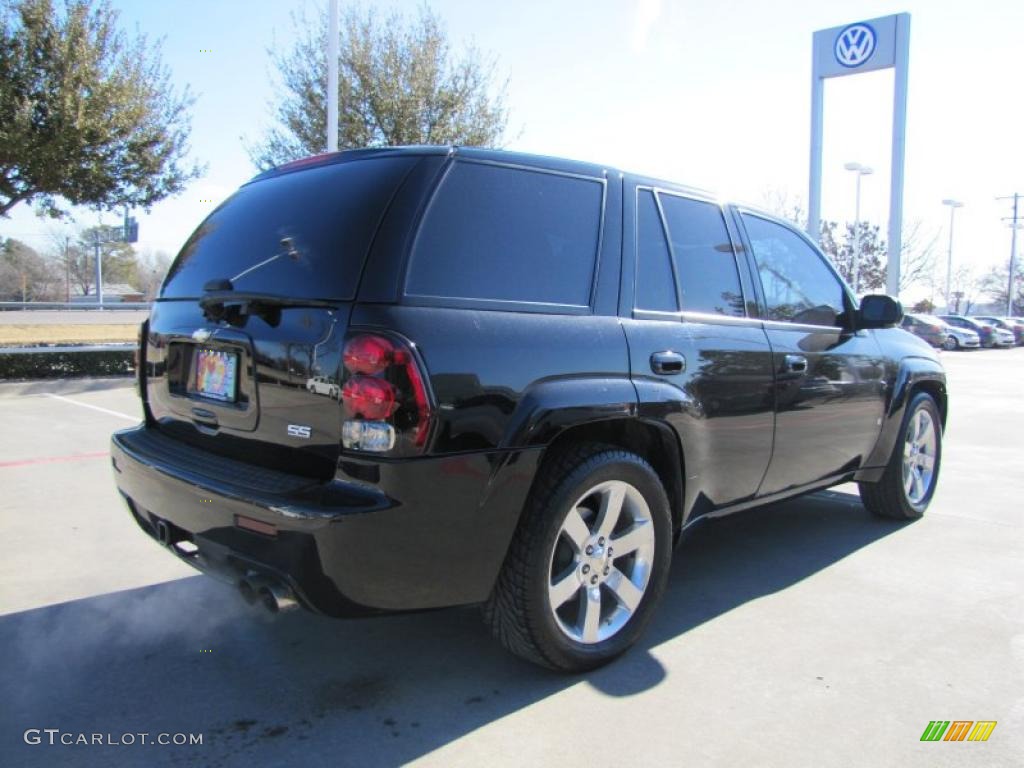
[[272, 594], [277, 598]]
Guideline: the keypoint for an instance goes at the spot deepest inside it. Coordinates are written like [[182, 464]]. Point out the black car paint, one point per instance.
[[357, 534]]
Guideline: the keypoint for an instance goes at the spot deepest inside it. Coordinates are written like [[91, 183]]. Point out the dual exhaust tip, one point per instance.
[[275, 596], [272, 594]]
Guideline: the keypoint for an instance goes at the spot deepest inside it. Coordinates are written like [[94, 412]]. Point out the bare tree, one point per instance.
[[152, 267], [964, 289], [917, 258], [779, 201]]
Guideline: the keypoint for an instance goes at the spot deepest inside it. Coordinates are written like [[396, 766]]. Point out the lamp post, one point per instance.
[[953, 205], [332, 77], [860, 170]]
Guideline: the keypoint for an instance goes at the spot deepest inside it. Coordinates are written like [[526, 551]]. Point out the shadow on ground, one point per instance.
[[189, 656]]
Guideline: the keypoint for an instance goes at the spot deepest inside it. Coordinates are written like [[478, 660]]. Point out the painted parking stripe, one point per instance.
[[54, 459], [134, 419]]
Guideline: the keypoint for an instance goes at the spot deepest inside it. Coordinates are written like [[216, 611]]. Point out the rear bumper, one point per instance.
[[426, 533]]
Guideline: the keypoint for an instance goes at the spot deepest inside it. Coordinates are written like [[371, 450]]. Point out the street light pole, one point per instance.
[[953, 205], [861, 170], [99, 266], [332, 77]]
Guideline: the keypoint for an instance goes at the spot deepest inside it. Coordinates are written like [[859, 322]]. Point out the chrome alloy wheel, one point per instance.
[[601, 562], [919, 457]]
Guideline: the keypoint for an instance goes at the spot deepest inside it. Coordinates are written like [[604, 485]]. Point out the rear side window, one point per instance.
[[502, 234], [304, 234], [655, 285], [708, 278]]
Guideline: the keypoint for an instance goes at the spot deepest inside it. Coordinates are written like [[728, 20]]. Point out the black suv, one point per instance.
[[400, 379]]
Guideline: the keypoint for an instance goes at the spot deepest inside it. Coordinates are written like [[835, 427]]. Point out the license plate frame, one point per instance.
[[214, 374]]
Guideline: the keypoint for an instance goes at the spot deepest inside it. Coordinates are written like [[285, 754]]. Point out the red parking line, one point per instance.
[[52, 459]]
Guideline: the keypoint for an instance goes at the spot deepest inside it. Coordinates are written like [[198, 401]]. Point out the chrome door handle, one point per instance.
[[667, 363], [794, 364]]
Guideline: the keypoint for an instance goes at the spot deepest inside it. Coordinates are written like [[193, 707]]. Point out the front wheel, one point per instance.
[[908, 484], [950, 343], [588, 562]]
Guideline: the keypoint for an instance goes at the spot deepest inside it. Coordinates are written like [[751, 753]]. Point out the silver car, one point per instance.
[[960, 338]]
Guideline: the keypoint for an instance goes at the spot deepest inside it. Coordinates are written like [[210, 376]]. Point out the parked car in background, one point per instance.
[[1007, 324], [959, 338], [1002, 336], [928, 327], [985, 331]]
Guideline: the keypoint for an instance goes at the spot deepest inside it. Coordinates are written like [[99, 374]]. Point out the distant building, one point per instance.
[[112, 294]]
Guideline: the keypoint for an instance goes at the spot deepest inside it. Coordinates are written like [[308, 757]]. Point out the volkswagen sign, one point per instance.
[[855, 44]]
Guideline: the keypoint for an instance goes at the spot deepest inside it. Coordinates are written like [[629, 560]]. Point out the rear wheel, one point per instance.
[[588, 562], [908, 484]]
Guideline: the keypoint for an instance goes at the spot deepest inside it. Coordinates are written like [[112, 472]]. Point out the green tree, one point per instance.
[[87, 115], [870, 264], [398, 83]]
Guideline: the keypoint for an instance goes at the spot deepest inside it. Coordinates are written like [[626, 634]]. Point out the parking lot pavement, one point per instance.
[[807, 633]]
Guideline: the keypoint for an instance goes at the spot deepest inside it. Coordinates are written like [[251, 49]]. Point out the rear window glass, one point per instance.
[[502, 234], [708, 277], [305, 233]]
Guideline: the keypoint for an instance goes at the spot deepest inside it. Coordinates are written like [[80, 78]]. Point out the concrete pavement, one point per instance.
[[808, 633]]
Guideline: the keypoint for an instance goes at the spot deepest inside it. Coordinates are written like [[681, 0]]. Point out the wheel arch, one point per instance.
[[915, 374], [655, 442]]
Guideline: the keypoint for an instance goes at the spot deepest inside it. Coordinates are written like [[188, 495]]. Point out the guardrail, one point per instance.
[[62, 305]]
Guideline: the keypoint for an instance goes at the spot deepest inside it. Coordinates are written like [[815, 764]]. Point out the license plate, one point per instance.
[[216, 374]]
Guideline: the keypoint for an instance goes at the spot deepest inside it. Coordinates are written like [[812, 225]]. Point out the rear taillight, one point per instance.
[[386, 407]]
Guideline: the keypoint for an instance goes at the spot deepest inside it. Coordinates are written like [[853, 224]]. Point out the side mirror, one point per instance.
[[879, 311]]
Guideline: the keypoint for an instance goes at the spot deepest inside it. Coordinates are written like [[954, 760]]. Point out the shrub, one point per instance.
[[53, 365]]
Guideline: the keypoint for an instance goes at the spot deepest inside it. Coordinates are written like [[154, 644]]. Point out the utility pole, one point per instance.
[[1014, 223], [953, 205]]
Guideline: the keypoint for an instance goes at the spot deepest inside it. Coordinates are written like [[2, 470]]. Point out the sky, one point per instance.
[[714, 95]]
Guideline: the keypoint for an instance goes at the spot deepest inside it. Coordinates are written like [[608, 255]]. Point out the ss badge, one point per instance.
[[299, 430]]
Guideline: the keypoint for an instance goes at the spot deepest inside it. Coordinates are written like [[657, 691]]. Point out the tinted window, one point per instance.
[[655, 285], [798, 286], [505, 234], [304, 233], [708, 278]]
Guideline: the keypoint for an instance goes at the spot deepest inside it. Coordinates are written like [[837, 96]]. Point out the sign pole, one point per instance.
[[899, 128], [814, 194]]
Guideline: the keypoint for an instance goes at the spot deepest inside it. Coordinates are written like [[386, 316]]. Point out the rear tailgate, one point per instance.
[[257, 383]]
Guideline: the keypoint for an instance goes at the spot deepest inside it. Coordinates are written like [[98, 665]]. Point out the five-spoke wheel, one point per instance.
[[908, 483], [588, 562], [601, 563]]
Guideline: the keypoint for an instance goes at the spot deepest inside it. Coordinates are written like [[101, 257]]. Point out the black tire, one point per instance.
[[519, 611], [888, 497], [951, 343]]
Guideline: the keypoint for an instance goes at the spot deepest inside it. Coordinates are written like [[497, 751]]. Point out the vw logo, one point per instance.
[[855, 44]]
